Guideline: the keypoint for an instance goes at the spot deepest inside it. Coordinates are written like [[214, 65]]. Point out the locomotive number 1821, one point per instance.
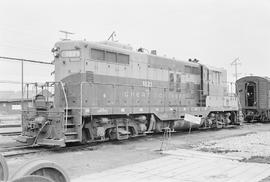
[[147, 83]]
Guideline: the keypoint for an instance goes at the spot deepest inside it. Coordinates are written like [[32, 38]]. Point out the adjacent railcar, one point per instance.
[[106, 91], [254, 97]]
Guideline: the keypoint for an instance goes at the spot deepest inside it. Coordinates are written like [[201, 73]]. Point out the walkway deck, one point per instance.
[[185, 165]]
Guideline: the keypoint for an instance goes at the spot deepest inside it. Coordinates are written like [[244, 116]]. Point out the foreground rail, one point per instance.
[[35, 170]]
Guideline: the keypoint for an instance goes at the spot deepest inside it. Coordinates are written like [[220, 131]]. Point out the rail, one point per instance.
[[66, 113]]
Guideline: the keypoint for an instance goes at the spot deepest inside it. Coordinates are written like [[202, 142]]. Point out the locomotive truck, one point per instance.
[[107, 91]]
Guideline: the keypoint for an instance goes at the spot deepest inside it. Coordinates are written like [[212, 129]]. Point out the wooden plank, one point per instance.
[[256, 170], [172, 166], [260, 176], [205, 169], [192, 166], [240, 169], [218, 173], [199, 154], [185, 165]]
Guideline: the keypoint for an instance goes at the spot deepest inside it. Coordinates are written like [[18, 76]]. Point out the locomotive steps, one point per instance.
[[71, 132]]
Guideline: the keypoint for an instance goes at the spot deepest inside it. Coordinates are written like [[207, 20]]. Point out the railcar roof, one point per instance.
[[129, 49], [254, 77]]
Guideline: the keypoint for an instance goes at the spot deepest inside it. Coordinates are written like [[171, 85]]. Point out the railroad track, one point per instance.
[[10, 133], [9, 152], [10, 129], [10, 125], [16, 151], [19, 150]]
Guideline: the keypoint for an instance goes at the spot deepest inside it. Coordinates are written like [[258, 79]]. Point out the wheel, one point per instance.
[[3, 169], [32, 178], [85, 136], [111, 133], [42, 168]]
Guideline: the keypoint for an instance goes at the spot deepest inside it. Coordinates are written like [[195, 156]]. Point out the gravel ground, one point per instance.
[[252, 147], [247, 141], [249, 146]]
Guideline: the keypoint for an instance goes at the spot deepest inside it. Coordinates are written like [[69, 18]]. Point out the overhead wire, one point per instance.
[[25, 60]]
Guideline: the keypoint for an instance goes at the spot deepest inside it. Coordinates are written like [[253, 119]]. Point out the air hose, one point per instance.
[[47, 122]]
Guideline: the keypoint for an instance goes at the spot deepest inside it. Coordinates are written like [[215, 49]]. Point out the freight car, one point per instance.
[[254, 97], [107, 90]]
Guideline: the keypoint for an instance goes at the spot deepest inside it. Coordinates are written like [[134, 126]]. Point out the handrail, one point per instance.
[[81, 103], [62, 85]]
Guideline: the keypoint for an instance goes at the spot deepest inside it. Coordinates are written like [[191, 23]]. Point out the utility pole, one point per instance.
[[22, 90], [66, 34], [235, 63], [22, 74]]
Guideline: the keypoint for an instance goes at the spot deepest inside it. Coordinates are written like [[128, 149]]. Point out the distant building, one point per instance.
[[13, 106], [10, 102]]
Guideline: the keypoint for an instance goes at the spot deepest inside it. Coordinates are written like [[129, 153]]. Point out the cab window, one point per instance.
[[108, 56], [98, 54], [123, 58], [111, 57]]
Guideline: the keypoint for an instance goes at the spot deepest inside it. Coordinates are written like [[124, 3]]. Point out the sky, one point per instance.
[[214, 31]]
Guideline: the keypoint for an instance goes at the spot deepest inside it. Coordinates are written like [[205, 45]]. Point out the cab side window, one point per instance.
[[98, 54], [110, 57]]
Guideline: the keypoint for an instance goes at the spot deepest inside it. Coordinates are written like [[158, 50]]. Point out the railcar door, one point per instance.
[[240, 90], [251, 94]]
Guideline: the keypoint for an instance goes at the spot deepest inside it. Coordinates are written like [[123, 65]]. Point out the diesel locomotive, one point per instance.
[[254, 97], [107, 91]]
